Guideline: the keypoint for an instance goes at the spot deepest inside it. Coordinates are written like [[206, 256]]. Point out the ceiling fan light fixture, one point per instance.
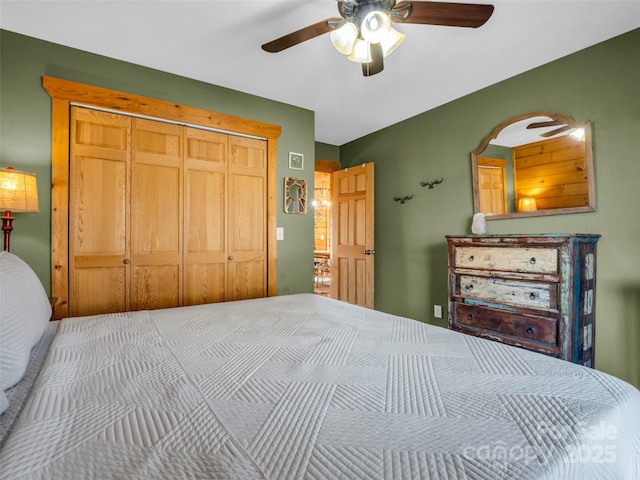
[[375, 26], [344, 38], [578, 134], [361, 52], [391, 41]]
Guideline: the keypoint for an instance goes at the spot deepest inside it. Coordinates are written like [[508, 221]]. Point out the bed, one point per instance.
[[302, 386]]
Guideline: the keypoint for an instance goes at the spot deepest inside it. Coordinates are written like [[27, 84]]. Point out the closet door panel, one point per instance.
[[205, 283], [155, 286], [247, 218], [247, 278], [98, 213], [99, 290], [156, 215], [205, 259]]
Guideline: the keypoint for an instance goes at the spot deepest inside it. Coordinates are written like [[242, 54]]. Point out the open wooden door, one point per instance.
[[492, 186], [352, 239]]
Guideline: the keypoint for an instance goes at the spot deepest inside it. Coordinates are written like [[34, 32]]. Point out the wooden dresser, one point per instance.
[[533, 291]]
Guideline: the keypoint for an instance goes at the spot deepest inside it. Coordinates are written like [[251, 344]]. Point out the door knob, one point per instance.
[[126, 261], [230, 257], [369, 252]]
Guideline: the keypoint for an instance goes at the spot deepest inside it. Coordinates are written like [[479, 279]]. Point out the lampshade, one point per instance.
[[391, 40], [344, 37], [18, 191], [375, 26], [361, 52], [527, 204]]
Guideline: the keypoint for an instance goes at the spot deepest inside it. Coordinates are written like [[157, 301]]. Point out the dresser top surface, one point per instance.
[[554, 238], [526, 235]]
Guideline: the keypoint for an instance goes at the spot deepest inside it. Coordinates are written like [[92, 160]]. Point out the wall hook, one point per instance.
[[432, 183], [403, 199]]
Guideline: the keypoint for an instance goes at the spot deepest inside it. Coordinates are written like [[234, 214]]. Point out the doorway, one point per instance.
[[322, 234], [321, 204]]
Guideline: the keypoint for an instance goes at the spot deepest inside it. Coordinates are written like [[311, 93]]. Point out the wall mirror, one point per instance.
[[536, 164]]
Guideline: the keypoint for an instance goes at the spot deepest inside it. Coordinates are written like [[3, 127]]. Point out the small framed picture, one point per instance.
[[295, 195], [296, 161]]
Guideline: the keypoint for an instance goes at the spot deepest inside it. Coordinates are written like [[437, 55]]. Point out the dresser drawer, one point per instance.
[[539, 295], [496, 323], [508, 259]]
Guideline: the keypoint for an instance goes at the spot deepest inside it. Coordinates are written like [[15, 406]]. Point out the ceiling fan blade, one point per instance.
[[549, 123], [299, 36], [556, 131], [377, 64], [444, 13]]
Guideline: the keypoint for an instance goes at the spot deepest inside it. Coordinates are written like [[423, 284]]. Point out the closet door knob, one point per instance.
[[230, 257], [126, 261]]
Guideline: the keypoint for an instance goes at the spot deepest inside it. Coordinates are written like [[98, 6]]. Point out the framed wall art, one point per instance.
[[296, 161], [295, 195]]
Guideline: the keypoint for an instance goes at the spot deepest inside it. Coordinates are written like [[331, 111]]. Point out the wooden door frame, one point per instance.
[[63, 93]]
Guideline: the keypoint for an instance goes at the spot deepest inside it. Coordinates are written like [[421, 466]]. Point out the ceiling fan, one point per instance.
[[364, 33], [563, 127]]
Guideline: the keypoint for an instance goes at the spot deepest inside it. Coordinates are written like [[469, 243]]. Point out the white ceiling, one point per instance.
[[219, 42]]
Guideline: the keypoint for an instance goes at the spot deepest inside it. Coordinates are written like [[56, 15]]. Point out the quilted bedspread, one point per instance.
[[302, 386]]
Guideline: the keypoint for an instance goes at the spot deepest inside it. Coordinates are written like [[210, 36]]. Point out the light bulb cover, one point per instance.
[[391, 41], [361, 52], [344, 38], [375, 26], [578, 134]]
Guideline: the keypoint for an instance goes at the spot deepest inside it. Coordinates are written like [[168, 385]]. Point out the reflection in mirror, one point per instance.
[[535, 164]]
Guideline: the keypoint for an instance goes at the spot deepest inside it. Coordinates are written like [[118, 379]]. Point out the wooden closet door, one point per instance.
[[156, 215], [98, 212], [247, 217], [205, 201]]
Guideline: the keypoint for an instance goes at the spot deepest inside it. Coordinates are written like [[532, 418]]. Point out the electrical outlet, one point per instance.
[[437, 311]]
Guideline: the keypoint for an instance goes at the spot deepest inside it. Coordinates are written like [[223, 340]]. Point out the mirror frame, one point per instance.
[[591, 207]]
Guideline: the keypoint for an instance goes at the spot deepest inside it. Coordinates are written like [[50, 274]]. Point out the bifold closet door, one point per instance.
[[225, 217], [247, 218], [156, 215], [205, 253], [98, 212], [163, 215]]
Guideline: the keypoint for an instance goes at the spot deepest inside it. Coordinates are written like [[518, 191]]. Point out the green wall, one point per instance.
[[600, 84], [25, 138], [324, 151]]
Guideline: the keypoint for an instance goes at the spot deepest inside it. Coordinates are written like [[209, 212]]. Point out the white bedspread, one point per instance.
[[302, 386]]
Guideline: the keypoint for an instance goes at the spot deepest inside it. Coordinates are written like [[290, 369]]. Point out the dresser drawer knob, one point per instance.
[[471, 316], [532, 295], [472, 258], [469, 286], [531, 330], [532, 261]]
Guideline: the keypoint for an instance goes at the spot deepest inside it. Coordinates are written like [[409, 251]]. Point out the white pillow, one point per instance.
[[24, 313]]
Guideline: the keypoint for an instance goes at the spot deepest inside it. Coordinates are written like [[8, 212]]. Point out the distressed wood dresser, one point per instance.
[[532, 291]]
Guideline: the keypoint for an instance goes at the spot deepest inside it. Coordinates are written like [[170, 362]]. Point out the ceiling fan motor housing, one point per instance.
[[356, 10]]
